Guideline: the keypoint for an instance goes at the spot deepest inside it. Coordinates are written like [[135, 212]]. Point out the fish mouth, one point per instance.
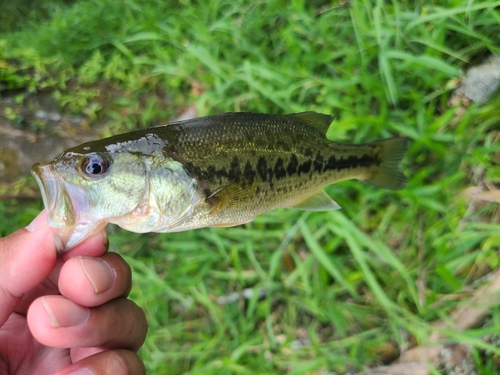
[[67, 208], [57, 202]]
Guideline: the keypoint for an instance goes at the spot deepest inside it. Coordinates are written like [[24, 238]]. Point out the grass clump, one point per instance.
[[327, 292]]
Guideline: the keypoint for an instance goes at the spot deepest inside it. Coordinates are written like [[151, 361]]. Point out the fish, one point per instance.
[[214, 171]]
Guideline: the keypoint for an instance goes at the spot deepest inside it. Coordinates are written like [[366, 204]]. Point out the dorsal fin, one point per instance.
[[318, 121]]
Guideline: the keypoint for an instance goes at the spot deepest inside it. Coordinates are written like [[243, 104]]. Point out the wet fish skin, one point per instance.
[[220, 170]]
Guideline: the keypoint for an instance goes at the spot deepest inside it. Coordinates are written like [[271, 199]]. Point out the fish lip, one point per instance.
[[55, 198], [67, 207]]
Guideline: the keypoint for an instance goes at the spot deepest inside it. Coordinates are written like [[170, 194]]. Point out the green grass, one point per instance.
[[338, 287]]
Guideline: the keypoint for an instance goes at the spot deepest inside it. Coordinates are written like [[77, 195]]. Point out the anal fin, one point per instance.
[[226, 225], [319, 201]]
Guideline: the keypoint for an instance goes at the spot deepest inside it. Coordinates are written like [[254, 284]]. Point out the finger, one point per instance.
[[93, 281], [110, 362], [26, 259], [93, 246], [58, 322]]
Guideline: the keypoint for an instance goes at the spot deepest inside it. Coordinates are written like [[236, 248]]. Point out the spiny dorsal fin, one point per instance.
[[316, 120], [319, 201], [235, 194]]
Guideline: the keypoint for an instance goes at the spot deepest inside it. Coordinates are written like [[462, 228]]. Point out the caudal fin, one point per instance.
[[389, 174]]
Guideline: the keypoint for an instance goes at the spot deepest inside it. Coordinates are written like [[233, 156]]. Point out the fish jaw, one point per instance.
[[67, 208], [58, 204]]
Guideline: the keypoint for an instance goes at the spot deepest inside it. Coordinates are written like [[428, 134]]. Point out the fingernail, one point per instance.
[[37, 222], [81, 371], [64, 313], [99, 273]]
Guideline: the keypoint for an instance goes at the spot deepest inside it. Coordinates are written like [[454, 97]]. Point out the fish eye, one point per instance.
[[94, 165]]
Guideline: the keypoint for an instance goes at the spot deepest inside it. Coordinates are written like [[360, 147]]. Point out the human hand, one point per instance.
[[64, 314]]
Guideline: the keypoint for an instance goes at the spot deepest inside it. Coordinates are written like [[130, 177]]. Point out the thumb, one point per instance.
[[27, 256]]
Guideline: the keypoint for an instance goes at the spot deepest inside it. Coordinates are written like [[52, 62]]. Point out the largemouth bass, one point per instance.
[[220, 170]]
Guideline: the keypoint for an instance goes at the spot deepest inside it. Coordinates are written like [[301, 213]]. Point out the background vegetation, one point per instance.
[[291, 292]]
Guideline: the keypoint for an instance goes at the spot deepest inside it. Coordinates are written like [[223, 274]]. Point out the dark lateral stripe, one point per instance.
[[234, 170], [305, 167], [262, 168], [285, 168], [318, 163], [249, 173], [292, 166], [279, 169], [350, 162]]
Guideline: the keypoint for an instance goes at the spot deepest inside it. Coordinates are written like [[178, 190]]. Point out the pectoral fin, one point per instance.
[[319, 201], [235, 194]]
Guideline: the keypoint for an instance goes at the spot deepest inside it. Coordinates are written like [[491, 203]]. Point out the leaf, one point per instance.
[[425, 60]]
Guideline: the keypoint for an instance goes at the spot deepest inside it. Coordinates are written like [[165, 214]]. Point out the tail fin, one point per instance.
[[389, 174]]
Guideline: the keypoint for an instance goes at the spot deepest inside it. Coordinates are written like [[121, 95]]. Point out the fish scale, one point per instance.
[[219, 170]]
